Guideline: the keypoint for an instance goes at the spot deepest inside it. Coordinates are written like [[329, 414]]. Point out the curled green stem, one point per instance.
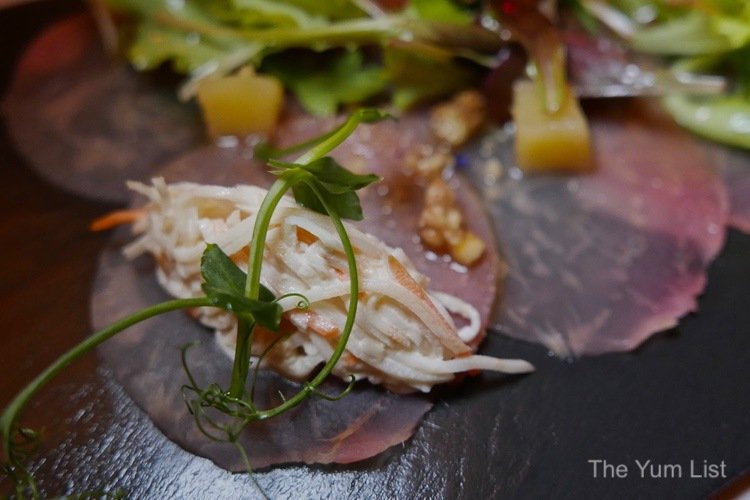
[[311, 387], [333, 139], [319, 150], [252, 285], [11, 412]]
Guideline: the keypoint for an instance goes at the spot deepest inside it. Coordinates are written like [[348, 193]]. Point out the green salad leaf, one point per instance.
[[324, 82], [691, 34], [343, 51], [710, 37], [413, 68], [259, 13], [331, 9], [154, 45], [724, 120], [442, 10]]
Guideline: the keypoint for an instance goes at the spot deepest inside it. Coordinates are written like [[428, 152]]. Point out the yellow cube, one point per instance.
[[240, 104], [550, 142]]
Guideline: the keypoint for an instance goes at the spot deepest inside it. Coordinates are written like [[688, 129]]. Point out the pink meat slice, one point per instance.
[[598, 263], [100, 122], [603, 66], [145, 359]]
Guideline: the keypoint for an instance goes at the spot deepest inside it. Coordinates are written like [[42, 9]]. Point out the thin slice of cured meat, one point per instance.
[[146, 361], [87, 122], [598, 263], [146, 358]]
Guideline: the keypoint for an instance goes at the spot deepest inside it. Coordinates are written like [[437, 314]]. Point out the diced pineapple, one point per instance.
[[240, 104], [549, 142]]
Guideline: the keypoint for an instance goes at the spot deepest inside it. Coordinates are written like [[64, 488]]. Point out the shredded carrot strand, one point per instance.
[[116, 218]]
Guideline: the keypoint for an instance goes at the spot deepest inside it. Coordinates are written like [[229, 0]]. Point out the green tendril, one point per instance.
[[267, 350], [183, 358], [303, 303], [246, 460], [317, 182], [13, 436], [336, 397], [252, 284]]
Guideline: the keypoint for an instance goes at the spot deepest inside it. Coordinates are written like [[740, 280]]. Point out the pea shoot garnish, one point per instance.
[[318, 183]]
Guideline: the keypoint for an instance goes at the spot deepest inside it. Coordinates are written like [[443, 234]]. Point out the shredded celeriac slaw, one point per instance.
[[404, 338]]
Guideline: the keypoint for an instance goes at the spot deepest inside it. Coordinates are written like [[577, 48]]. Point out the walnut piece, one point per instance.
[[427, 162], [441, 225], [457, 120]]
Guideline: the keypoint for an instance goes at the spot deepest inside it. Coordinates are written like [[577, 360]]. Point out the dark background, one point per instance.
[[684, 395]]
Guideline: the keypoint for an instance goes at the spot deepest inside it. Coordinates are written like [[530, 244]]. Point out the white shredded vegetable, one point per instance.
[[404, 337]]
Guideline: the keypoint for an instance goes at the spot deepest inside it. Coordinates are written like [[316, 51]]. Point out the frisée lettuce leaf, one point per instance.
[[343, 45]]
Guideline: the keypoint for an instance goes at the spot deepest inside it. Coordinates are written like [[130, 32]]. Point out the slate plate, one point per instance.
[[683, 396]]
